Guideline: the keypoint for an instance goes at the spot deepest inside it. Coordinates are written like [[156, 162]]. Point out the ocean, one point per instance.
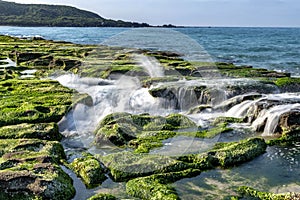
[[271, 48]]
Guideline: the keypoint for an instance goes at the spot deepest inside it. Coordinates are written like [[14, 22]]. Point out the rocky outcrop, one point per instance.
[[289, 123], [124, 128], [89, 170], [29, 168], [181, 97], [43, 131]]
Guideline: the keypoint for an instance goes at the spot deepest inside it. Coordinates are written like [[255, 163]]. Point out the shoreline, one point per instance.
[[30, 140]]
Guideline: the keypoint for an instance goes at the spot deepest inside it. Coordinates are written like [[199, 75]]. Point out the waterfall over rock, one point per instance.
[[150, 64], [264, 113]]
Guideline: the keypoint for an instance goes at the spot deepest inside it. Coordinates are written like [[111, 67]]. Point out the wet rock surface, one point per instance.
[[30, 148]]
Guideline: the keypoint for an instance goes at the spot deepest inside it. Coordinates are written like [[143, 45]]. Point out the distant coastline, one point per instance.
[[42, 15]]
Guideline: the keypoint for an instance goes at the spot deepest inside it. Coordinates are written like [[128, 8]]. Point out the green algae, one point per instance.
[[125, 165], [281, 82], [288, 137], [31, 148], [179, 121], [102, 196], [44, 131], [226, 155], [147, 82], [219, 120], [250, 192], [232, 154], [143, 131], [288, 84], [146, 188], [231, 70], [149, 140], [44, 55], [32, 166], [89, 170], [33, 101], [158, 186]]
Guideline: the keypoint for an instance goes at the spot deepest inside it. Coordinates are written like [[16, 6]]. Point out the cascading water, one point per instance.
[[264, 113], [8, 63], [271, 118], [123, 95], [149, 64], [240, 110]]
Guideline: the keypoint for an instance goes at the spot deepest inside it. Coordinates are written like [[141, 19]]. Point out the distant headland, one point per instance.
[[14, 14]]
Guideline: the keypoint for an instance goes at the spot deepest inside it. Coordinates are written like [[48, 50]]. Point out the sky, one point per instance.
[[254, 13]]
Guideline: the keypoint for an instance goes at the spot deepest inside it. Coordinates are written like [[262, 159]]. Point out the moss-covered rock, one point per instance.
[[121, 128], [118, 134], [213, 131], [288, 84], [198, 109], [29, 169], [148, 188], [227, 155], [33, 101], [221, 120], [231, 70], [102, 196], [289, 123], [144, 132], [158, 186], [150, 81], [157, 171], [44, 131], [179, 121], [250, 192], [89, 170], [125, 166], [231, 154], [148, 140]]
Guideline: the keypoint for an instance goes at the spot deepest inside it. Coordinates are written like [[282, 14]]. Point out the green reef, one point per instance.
[[32, 157], [145, 132], [102, 196], [89, 170], [250, 192], [30, 148], [30, 169], [44, 131], [33, 101]]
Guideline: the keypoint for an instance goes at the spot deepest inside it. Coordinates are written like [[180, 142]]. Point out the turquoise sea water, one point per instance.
[[271, 48]]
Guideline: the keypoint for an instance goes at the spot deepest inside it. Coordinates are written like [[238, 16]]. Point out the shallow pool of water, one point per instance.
[[277, 171]]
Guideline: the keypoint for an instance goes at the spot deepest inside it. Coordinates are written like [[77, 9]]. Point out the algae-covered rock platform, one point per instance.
[[165, 135]]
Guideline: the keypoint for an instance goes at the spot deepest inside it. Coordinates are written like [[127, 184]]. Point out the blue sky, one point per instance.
[[193, 12]]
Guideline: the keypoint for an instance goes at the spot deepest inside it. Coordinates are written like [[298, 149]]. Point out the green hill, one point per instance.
[[14, 14]]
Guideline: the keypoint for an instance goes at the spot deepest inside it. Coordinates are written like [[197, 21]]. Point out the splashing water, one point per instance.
[[151, 65], [270, 108], [123, 95], [240, 110], [9, 62], [271, 117]]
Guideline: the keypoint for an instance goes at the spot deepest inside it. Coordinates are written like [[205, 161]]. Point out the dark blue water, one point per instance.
[[271, 48]]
